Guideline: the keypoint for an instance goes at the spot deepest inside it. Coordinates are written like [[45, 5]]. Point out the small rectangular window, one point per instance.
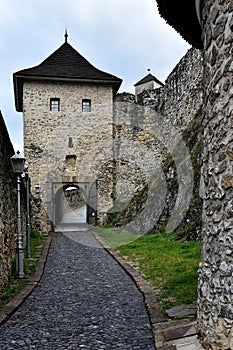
[[86, 105], [54, 104]]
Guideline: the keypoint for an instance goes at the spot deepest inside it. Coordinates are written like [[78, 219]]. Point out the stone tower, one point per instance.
[[149, 82], [67, 107]]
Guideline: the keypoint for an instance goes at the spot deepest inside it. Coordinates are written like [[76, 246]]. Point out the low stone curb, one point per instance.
[[7, 310]]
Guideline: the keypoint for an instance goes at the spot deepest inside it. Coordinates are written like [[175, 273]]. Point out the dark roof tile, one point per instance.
[[65, 64], [149, 77]]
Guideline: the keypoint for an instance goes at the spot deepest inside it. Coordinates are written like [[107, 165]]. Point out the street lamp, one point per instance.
[[28, 226], [17, 162]]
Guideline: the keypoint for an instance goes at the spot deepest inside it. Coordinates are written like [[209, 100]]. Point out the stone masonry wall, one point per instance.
[[69, 145], [215, 302], [149, 132], [7, 206], [181, 96]]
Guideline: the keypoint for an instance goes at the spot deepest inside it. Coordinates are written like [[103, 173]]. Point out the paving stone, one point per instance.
[[182, 311], [84, 300], [179, 332], [189, 343]]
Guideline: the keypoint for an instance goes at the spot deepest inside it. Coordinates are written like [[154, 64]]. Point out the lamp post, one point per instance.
[[17, 162], [28, 226]]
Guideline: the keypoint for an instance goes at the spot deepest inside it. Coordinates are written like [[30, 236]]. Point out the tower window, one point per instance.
[[54, 104], [86, 105]]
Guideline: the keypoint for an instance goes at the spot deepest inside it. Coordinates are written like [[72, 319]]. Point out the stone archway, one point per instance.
[[70, 204]]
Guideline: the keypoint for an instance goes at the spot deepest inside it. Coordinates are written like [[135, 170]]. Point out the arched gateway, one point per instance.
[[75, 203]]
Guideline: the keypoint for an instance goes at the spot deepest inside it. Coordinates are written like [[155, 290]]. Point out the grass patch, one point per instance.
[[36, 247], [15, 285], [170, 266], [115, 236]]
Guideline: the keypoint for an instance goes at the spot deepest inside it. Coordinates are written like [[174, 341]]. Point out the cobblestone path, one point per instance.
[[85, 300]]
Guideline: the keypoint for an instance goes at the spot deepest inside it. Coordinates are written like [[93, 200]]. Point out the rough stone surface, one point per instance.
[[85, 300], [149, 133], [66, 135], [215, 275], [181, 96], [7, 206]]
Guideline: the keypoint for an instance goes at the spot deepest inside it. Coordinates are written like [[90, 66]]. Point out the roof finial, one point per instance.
[[66, 35]]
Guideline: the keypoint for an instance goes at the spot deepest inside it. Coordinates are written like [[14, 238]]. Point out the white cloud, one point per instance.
[[122, 37]]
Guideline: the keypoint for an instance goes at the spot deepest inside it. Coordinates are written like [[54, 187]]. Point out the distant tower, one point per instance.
[[67, 107], [149, 82]]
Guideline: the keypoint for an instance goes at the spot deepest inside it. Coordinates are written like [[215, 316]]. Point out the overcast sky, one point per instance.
[[122, 37]]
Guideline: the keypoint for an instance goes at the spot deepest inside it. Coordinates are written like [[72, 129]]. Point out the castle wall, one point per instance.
[[68, 145], [181, 96], [148, 133], [138, 150], [7, 206], [215, 302]]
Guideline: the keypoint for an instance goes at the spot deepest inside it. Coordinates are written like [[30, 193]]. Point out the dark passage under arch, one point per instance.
[[73, 205]]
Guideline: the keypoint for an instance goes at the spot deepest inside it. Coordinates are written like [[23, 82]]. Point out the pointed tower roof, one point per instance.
[[63, 65], [149, 77]]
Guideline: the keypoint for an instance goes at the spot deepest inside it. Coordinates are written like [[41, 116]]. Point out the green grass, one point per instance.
[[11, 289], [170, 266], [115, 236], [15, 285], [36, 247]]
